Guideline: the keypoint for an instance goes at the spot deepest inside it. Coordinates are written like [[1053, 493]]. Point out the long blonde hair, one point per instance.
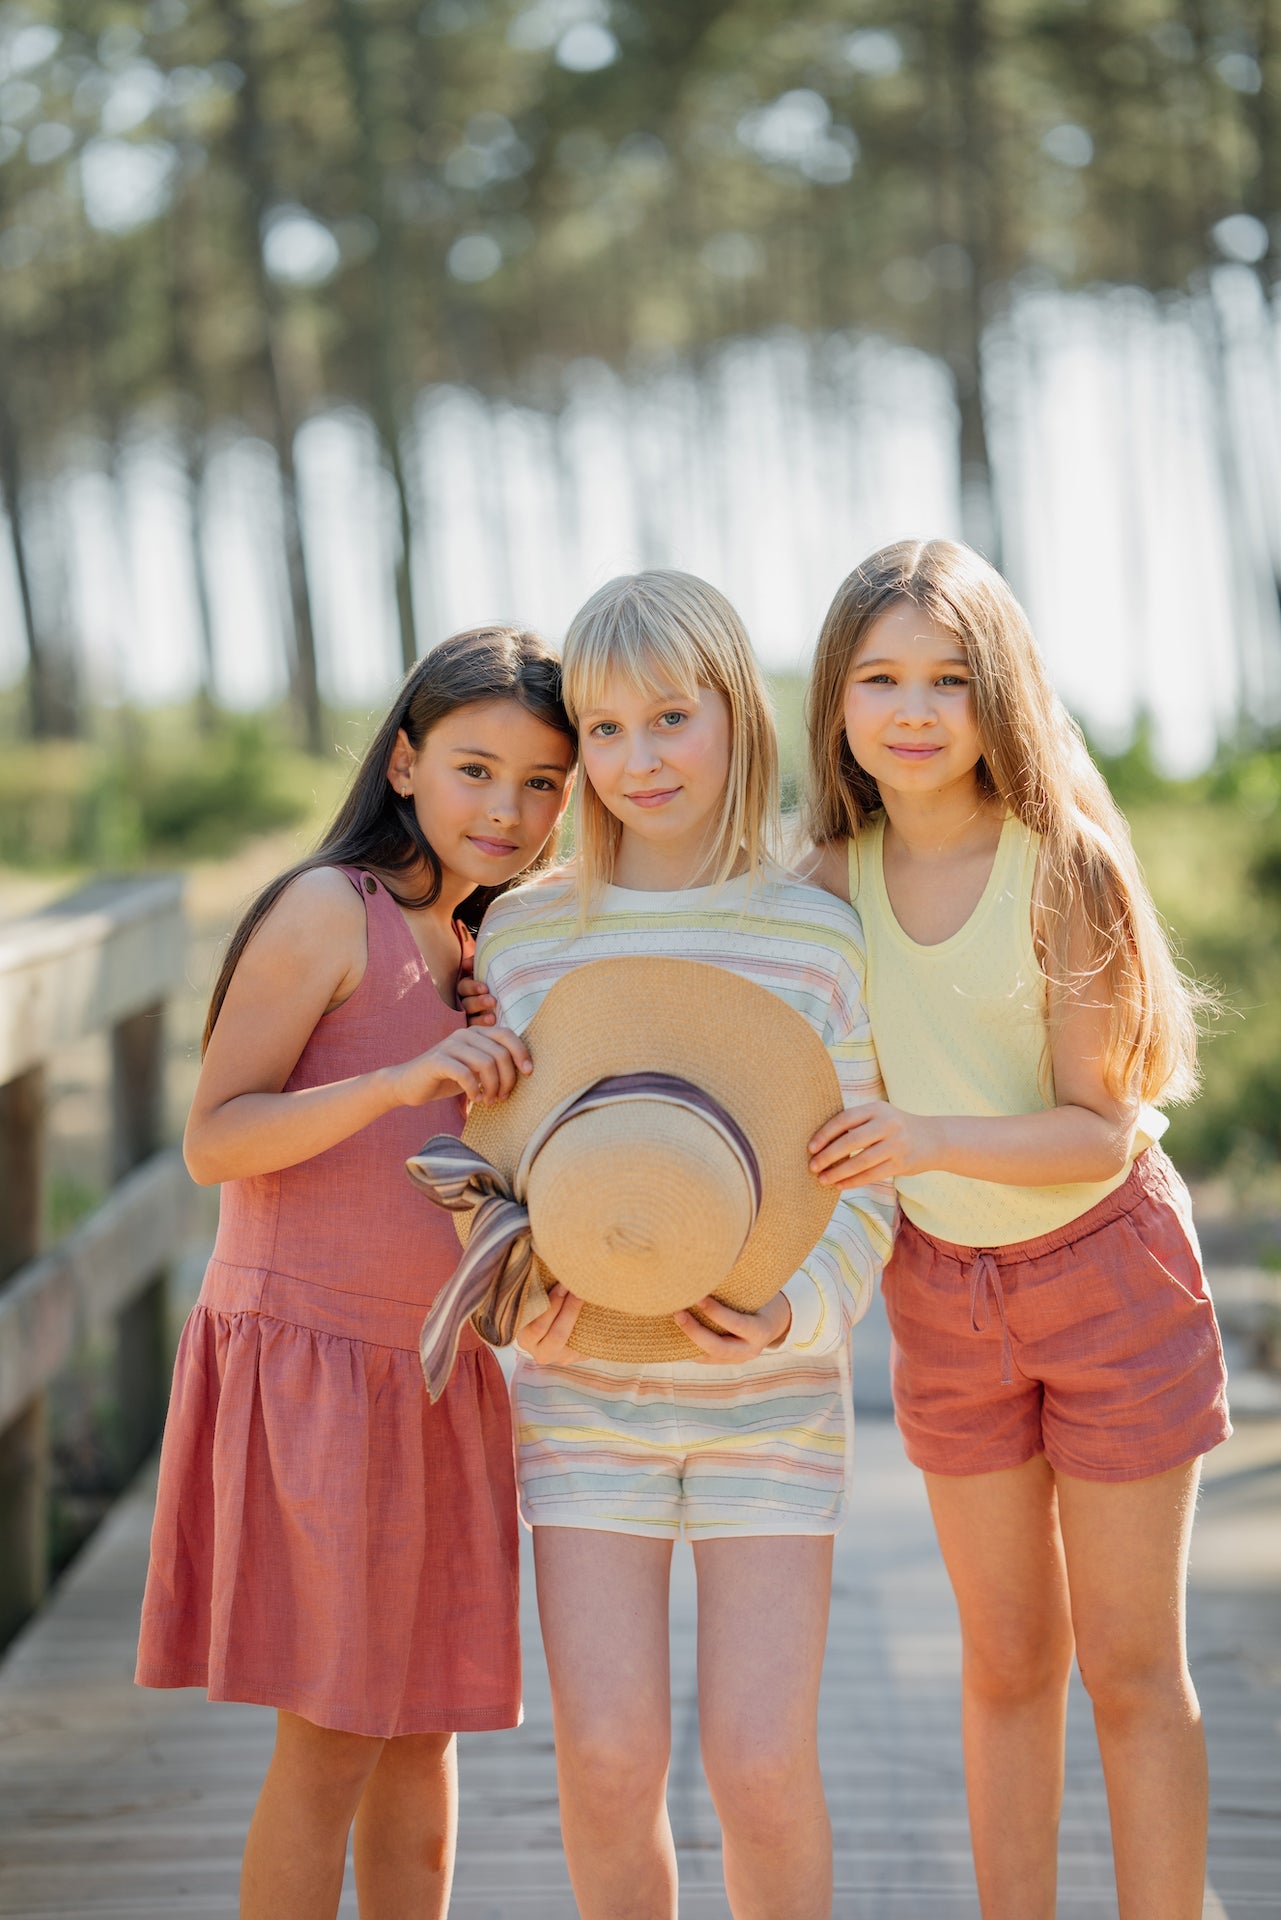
[[663, 630], [1095, 920]]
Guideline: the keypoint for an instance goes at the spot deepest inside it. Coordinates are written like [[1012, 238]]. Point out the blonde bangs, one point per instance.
[[664, 631]]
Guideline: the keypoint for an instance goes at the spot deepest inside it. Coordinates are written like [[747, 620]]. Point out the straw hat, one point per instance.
[[646, 1203]]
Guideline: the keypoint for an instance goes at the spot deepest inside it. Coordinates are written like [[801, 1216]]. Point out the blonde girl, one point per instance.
[[1057, 1369], [745, 1445]]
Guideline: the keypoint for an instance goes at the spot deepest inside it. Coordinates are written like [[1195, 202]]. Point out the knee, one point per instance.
[[1132, 1684], [758, 1780], [618, 1765], [1016, 1669], [331, 1768]]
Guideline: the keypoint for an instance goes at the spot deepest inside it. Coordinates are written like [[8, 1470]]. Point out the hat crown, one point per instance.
[[642, 1206]]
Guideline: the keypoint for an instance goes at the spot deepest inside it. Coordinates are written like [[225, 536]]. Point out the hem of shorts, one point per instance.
[[493, 1719], [753, 1527], [1109, 1476]]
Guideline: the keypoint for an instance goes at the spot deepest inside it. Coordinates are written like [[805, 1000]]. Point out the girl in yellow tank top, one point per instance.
[[1057, 1368]]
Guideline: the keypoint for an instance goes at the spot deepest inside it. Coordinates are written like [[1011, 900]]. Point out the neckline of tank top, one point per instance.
[[361, 879], [978, 912]]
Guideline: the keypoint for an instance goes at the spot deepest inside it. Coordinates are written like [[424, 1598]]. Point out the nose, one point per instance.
[[503, 808], [643, 755], [915, 708]]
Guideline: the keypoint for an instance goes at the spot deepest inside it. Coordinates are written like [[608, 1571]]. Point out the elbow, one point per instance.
[[1116, 1150], [199, 1164]]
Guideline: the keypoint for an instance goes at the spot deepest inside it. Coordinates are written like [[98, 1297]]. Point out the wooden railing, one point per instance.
[[105, 959]]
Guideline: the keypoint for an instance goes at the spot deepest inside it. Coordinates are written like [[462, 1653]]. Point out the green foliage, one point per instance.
[[1215, 869], [170, 793]]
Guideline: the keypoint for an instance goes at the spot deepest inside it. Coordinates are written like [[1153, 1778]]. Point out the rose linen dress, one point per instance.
[[325, 1540]]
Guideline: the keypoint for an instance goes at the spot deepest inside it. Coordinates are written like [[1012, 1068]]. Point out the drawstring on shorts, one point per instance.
[[985, 1275]]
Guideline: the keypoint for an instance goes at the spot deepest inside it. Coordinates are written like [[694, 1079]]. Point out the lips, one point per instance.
[[653, 797], [499, 849], [916, 753]]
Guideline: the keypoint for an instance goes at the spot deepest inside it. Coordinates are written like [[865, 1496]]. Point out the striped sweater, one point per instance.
[[801, 944]]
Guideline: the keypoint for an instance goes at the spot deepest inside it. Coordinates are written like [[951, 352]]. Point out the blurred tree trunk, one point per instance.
[[53, 702], [388, 384], [958, 50], [250, 150], [192, 430]]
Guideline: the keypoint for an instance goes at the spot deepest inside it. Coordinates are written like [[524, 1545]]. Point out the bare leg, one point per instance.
[[406, 1827], [602, 1601], [762, 1625], [1127, 1557], [1000, 1538], [297, 1844]]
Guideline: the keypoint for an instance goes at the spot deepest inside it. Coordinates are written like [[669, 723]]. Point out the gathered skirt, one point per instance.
[[326, 1541]]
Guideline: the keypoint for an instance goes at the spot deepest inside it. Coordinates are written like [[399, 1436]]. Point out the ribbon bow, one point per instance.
[[494, 1284], [495, 1277]]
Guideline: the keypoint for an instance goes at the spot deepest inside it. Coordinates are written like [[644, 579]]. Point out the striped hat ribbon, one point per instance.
[[494, 1284]]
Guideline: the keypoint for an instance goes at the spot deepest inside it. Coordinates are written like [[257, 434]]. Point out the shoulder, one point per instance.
[[545, 894], [828, 867], [320, 904], [822, 920], [539, 909]]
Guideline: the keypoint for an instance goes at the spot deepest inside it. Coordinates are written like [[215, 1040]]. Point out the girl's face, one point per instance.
[[909, 705], [489, 785], [659, 761]]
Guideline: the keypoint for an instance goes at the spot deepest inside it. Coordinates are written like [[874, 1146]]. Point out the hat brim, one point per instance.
[[744, 1045]]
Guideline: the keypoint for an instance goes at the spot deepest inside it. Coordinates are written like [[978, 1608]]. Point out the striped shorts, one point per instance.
[[716, 1451]]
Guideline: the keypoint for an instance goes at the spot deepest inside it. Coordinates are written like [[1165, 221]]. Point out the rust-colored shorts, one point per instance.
[[1095, 1344]]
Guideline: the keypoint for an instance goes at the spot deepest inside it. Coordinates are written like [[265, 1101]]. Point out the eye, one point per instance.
[[672, 719], [474, 770], [875, 680], [605, 729], [953, 680], [542, 785]]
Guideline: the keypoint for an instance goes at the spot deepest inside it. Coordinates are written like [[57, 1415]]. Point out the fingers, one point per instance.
[[845, 1136], [486, 1065], [878, 1163], [515, 1047], [743, 1340], [477, 1002], [546, 1337], [838, 1124]]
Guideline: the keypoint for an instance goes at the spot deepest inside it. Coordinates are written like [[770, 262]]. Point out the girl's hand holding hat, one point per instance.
[[546, 1336], [874, 1142], [742, 1336], [481, 1065]]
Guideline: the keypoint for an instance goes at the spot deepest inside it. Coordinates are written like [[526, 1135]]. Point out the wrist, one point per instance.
[[781, 1336], [936, 1145], [389, 1088]]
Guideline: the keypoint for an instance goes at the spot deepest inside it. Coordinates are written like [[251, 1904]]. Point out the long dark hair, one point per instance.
[[376, 826]]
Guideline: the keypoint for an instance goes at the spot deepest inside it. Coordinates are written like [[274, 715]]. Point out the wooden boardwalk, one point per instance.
[[117, 1804]]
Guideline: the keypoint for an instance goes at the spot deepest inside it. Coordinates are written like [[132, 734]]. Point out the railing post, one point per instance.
[[142, 1336], [24, 1444]]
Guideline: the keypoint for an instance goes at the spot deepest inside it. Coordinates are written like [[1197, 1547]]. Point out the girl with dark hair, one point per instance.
[[326, 1541]]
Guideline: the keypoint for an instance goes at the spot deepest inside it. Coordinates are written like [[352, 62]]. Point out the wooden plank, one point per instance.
[[86, 962], [80, 1286], [116, 1802]]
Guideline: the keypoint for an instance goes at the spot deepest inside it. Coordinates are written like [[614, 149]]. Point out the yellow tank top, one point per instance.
[[962, 1027]]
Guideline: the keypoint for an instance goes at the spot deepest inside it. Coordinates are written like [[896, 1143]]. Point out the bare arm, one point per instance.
[[306, 958], [1088, 1135]]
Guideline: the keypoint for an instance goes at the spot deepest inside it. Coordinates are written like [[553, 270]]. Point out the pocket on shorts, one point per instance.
[[1162, 1240]]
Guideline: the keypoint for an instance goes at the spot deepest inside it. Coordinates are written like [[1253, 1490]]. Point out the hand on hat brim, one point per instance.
[[745, 1335], [546, 1336]]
